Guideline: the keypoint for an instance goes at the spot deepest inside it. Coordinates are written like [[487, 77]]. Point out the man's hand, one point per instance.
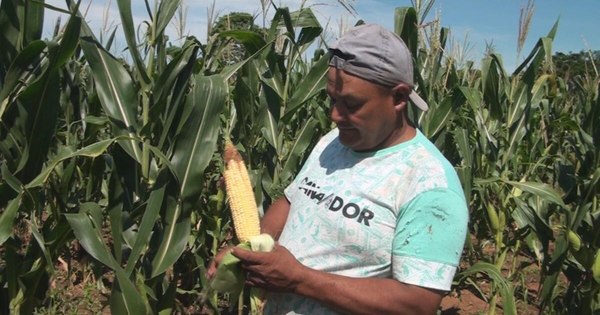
[[277, 270], [214, 264]]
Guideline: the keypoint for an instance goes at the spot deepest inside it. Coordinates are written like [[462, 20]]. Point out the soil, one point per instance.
[[474, 299], [75, 289], [75, 286]]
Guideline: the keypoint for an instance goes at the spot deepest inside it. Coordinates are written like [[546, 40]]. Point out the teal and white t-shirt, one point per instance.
[[395, 213]]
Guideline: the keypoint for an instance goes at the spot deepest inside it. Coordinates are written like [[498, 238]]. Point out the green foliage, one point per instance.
[[526, 163], [573, 64], [122, 159]]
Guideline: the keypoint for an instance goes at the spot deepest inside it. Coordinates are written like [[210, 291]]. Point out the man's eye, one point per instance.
[[353, 105], [331, 101]]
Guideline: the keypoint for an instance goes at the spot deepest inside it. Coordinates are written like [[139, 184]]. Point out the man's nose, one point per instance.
[[337, 113]]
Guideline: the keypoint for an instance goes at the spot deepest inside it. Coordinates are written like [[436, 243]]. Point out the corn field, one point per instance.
[[114, 163]]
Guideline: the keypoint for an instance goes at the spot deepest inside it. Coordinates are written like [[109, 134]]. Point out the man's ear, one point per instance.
[[401, 93]]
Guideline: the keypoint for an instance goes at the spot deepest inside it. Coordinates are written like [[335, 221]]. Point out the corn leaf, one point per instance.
[[117, 94], [544, 191], [130, 37], [142, 238], [10, 31], [302, 140], [10, 179], [174, 239], [170, 90], [86, 224], [125, 298], [525, 215], [229, 277], [516, 133], [438, 118], [21, 68], [197, 140], [270, 129], [498, 281], [68, 42], [461, 137], [93, 150], [90, 238], [309, 25], [7, 218], [164, 15], [42, 244], [313, 83], [405, 25], [117, 201], [42, 101]]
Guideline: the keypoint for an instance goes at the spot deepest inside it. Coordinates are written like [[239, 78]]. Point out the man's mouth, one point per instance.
[[345, 127]]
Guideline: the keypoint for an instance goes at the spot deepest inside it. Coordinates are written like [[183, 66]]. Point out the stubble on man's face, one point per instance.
[[363, 111]]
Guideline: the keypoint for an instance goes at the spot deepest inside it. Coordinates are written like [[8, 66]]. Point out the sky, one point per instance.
[[474, 24]]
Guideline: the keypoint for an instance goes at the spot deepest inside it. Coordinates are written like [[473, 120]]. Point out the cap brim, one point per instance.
[[418, 101]]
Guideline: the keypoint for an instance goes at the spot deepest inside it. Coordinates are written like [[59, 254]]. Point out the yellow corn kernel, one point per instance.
[[240, 195]]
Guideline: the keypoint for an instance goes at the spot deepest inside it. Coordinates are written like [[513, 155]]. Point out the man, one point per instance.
[[375, 221]]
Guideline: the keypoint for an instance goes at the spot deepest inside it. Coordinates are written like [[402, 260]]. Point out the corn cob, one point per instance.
[[574, 240], [596, 267], [240, 195], [493, 217]]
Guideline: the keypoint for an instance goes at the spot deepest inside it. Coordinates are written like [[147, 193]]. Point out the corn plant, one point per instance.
[[126, 164], [120, 155], [118, 162], [525, 196], [280, 107]]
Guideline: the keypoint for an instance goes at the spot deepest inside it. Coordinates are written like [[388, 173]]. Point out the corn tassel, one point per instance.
[[241, 197]]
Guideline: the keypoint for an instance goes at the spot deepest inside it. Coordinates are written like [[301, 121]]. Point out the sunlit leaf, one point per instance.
[[175, 236], [117, 94], [197, 140], [498, 281], [542, 190], [310, 85], [130, 37]]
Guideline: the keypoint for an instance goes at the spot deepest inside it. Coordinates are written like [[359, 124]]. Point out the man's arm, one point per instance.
[[280, 271], [368, 295], [274, 219]]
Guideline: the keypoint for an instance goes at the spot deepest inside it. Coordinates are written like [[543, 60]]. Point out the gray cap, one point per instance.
[[375, 54]]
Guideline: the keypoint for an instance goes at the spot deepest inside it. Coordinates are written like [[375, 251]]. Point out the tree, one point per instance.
[[234, 50], [570, 65]]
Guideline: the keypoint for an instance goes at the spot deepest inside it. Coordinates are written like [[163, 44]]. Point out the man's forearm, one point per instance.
[[367, 295], [346, 294], [275, 217]]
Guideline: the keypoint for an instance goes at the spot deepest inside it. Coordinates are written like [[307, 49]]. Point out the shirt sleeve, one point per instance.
[[429, 238]]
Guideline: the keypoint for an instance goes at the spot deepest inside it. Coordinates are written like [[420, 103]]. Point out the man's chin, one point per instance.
[[351, 143], [348, 137]]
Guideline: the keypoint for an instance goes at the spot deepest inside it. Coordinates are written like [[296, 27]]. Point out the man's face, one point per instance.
[[364, 112]]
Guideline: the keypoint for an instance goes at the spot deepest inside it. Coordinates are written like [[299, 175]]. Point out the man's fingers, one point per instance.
[[214, 263], [212, 269], [245, 255]]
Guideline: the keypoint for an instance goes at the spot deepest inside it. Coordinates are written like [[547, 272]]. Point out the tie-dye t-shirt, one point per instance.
[[395, 213]]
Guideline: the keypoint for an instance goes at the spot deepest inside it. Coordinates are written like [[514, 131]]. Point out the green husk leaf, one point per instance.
[[229, 276]]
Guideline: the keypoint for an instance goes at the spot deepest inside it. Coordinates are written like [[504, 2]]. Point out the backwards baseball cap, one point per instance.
[[375, 54]]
